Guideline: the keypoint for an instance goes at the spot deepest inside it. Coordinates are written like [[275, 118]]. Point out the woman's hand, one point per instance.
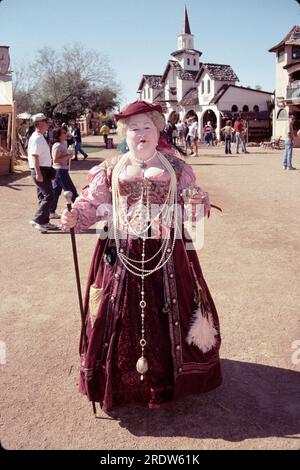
[[69, 219], [200, 198]]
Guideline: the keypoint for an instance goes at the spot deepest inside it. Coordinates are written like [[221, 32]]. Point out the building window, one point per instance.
[[208, 86], [296, 52], [295, 76], [256, 108], [282, 115], [202, 88], [148, 93], [188, 61], [280, 55], [245, 108], [234, 108], [194, 61]]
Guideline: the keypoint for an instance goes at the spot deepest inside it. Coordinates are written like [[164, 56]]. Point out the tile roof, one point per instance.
[[181, 73], [190, 98], [152, 80], [220, 72], [293, 37], [159, 99]]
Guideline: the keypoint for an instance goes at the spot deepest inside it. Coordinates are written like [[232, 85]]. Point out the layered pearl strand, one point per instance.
[[170, 208]]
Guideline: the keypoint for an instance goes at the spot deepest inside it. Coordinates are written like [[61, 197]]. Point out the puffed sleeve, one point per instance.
[[95, 201], [188, 180]]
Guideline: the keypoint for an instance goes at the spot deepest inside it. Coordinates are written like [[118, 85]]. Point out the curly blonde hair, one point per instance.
[[156, 117]]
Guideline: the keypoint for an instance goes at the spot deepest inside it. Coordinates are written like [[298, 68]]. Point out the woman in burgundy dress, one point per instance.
[[152, 326]]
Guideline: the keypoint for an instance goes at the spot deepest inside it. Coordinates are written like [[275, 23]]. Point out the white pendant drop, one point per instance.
[[142, 365]]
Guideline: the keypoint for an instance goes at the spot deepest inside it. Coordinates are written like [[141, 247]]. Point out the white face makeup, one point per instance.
[[141, 136]]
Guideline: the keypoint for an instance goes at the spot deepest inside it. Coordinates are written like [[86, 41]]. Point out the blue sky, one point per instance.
[[139, 35]]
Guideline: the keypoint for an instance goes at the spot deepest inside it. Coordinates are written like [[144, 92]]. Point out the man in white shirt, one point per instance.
[[40, 164], [192, 137]]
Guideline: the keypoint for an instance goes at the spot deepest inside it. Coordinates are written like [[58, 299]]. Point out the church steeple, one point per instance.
[[186, 55], [186, 24], [186, 38]]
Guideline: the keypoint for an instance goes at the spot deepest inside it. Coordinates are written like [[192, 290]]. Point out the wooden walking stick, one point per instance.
[[68, 195]]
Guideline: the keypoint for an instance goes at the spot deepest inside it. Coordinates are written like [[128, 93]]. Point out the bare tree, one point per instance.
[[69, 81]]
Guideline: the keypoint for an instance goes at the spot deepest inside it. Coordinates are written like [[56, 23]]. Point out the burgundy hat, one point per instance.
[[138, 107]]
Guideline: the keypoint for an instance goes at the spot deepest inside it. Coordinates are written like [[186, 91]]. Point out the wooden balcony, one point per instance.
[[293, 93]]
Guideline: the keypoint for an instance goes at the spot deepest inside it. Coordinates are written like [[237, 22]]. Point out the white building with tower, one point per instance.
[[287, 91], [189, 87]]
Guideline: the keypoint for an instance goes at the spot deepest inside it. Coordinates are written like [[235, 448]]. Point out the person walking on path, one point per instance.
[[40, 164], [61, 157], [192, 137], [245, 136], [208, 133], [70, 139], [78, 148], [180, 130], [228, 132], [289, 141], [105, 132], [238, 129]]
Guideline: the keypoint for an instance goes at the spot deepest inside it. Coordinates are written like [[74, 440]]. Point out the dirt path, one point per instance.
[[251, 263]]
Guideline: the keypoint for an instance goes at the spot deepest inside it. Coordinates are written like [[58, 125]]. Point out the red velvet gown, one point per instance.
[[108, 367]]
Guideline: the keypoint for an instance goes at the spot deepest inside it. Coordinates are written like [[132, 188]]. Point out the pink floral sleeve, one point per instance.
[[188, 180], [94, 203]]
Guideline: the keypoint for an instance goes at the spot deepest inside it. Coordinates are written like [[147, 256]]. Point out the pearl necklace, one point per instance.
[[171, 216], [143, 162]]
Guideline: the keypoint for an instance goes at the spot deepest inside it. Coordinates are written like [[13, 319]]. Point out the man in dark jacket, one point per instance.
[[77, 137]]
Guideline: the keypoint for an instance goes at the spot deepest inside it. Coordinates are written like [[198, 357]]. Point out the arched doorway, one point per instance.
[[209, 115], [190, 114]]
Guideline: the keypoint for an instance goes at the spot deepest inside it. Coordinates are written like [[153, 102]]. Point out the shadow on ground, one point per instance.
[[11, 178], [86, 165], [255, 401]]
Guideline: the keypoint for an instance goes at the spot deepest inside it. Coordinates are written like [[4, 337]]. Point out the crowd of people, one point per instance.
[[185, 135], [49, 155]]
